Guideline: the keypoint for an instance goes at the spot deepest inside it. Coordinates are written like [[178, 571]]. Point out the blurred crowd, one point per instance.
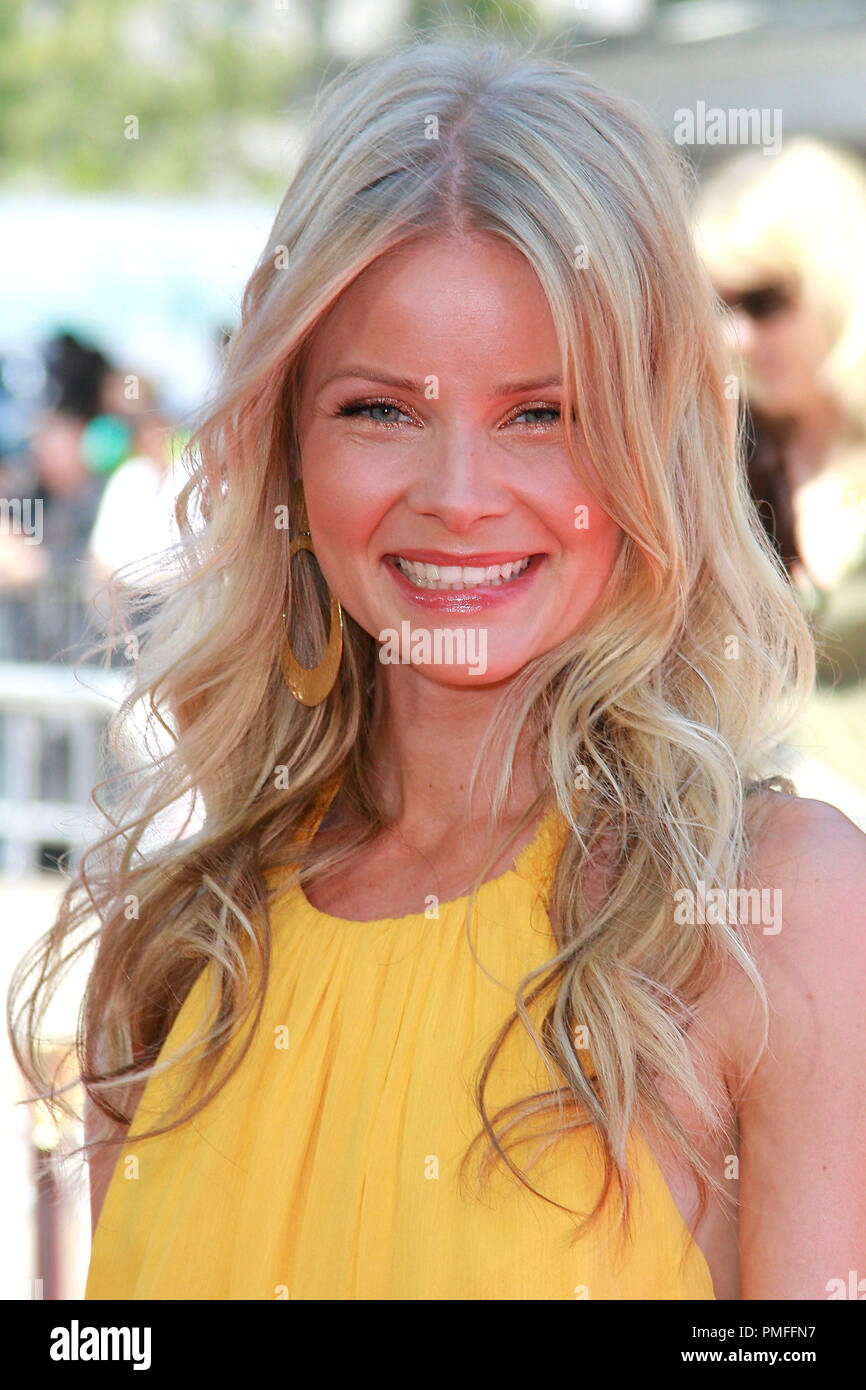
[[87, 485], [783, 240]]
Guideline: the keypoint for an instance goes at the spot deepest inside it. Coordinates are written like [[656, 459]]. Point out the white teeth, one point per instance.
[[459, 576]]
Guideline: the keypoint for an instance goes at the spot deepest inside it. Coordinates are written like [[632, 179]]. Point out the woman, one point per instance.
[[477, 736], [783, 240]]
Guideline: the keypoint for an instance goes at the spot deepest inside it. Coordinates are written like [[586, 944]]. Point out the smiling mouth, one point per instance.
[[457, 578]]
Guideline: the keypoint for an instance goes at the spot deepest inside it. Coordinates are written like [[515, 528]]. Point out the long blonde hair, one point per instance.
[[653, 723]]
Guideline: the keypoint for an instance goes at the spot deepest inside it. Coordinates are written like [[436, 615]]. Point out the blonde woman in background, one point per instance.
[[783, 239], [435, 1003]]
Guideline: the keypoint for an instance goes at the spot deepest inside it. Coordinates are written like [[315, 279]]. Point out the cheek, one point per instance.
[[345, 502], [590, 536], [588, 553], [345, 507], [595, 556]]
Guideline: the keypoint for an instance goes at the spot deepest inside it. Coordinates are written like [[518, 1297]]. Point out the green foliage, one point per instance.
[[213, 85], [199, 78]]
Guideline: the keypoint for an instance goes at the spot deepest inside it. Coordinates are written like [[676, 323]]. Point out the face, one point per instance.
[[56, 448], [783, 340], [439, 489]]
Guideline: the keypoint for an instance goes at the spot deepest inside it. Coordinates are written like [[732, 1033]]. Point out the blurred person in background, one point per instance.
[[783, 241], [47, 608], [54, 470], [69, 488], [136, 513]]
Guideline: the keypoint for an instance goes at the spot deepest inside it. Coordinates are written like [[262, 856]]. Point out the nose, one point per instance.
[[459, 481]]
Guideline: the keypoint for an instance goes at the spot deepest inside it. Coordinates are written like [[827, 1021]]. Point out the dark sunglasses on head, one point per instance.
[[762, 303]]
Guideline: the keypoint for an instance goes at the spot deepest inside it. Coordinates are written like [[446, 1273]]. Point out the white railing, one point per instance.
[[52, 723], [51, 619]]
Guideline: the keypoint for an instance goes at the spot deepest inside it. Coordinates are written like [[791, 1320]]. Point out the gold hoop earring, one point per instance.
[[310, 685]]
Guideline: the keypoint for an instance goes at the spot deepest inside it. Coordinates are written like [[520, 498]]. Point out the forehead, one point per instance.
[[456, 296]]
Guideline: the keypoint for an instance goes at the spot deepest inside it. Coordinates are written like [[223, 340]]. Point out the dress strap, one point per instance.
[[307, 828], [538, 860], [319, 807], [537, 865]]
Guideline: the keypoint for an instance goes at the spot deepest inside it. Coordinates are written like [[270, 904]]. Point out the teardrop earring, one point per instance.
[[311, 685]]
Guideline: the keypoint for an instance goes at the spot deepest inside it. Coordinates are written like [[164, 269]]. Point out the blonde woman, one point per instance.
[[783, 239], [496, 969]]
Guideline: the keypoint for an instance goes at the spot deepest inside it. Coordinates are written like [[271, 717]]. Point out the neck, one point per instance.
[[425, 740]]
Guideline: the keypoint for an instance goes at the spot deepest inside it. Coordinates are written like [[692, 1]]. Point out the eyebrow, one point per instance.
[[406, 383]]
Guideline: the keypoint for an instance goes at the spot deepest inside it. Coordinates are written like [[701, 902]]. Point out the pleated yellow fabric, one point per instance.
[[326, 1168]]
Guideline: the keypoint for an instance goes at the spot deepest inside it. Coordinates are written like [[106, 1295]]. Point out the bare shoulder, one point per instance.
[[800, 832], [813, 859], [807, 860], [801, 1106]]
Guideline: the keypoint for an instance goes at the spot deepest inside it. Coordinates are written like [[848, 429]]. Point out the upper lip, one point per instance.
[[442, 557]]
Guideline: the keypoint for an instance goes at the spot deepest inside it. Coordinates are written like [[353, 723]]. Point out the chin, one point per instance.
[[474, 677]]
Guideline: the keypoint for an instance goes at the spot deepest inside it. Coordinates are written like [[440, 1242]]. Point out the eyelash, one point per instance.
[[354, 409]]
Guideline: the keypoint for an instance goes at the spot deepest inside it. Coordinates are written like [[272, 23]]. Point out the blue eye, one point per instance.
[[357, 408], [539, 410]]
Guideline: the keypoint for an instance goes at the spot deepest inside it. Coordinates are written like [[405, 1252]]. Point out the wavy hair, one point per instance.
[[653, 723]]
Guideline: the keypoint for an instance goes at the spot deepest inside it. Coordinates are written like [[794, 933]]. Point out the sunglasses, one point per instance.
[[765, 302]]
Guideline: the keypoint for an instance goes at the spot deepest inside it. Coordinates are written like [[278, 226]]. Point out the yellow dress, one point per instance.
[[326, 1167]]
